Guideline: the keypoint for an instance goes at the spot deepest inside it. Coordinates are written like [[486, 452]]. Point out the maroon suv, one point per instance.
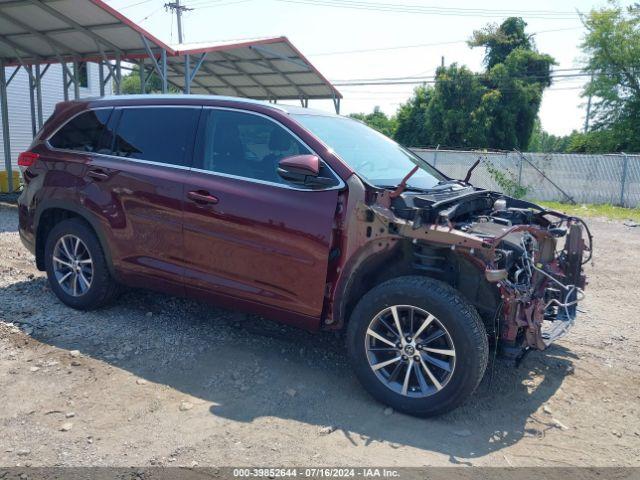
[[308, 218]]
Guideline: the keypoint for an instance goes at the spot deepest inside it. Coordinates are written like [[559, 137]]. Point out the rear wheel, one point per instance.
[[417, 345], [76, 266]]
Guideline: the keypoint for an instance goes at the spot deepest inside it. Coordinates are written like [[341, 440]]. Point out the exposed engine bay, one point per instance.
[[531, 258]]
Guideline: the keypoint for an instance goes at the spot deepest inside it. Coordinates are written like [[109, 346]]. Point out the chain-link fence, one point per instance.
[[613, 179]]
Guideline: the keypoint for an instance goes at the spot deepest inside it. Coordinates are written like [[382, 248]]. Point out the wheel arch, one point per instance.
[[372, 266], [55, 212]]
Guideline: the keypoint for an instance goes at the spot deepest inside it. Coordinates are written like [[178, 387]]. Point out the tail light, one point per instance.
[[26, 159]]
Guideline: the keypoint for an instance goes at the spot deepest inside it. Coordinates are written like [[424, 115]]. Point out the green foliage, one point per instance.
[[411, 122], [457, 113], [378, 121], [612, 45], [507, 181], [544, 142], [500, 41], [589, 210], [131, 83], [494, 109], [596, 141]]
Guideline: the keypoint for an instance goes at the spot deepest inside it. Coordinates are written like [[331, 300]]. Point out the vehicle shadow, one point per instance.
[[248, 368]]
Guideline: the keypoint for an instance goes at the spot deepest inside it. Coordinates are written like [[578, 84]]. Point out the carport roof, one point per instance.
[[55, 31], [46, 31], [269, 68]]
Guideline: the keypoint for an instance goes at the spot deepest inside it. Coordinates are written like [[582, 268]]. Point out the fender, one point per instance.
[[90, 217], [377, 248]]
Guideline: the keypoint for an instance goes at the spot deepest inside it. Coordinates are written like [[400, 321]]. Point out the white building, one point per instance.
[[52, 92]]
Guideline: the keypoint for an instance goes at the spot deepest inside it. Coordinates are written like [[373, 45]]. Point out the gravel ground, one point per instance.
[[156, 380]]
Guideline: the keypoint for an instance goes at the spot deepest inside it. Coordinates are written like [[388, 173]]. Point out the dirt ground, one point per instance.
[[155, 380]]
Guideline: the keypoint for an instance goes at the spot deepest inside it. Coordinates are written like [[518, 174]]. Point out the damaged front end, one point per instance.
[[530, 257]]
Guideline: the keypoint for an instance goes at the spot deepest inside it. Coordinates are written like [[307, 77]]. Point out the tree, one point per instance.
[[131, 83], [493, 109], [500, 41], [612, 45], [516, 75], [457, 113], [411, 126], [378, 121], [545, 142]]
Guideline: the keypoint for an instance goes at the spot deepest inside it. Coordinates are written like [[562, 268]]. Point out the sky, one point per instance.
[[407, 41]]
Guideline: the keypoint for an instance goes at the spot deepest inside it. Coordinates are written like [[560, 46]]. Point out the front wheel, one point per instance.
[[417, 345]]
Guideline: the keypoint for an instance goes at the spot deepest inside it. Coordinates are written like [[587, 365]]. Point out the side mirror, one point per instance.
[[303, 170]]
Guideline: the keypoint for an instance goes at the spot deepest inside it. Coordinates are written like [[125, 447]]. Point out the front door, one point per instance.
[[250, 235]]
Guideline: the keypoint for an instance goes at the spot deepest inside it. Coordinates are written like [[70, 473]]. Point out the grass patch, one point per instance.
[[589, 210]]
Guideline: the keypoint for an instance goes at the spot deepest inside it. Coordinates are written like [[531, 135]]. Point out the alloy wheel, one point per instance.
[[410, 351], [72, 265]]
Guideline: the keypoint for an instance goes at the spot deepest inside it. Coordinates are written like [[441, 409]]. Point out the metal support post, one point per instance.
[[65, 85], [187, 74], [76, 80], [623, 181], [39, 74], [32, 100], [118, 78], [4, 107], [143, 77], [101, 77], [163, 57]]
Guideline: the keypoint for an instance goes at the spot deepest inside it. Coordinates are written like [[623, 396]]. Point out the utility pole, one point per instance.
[[586, 120], [175, 6]]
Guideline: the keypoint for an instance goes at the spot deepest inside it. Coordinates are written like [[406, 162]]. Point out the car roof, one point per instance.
[[179, 98]]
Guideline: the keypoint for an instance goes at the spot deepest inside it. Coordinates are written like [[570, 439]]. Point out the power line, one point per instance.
[[421, 45], [422, 10], [135, 4], [149, 15], [566, 73]]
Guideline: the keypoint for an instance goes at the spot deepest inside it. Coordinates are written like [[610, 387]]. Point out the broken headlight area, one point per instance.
[[532, 256]]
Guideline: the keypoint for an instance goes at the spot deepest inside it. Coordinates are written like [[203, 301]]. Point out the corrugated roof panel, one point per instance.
[[123, 37], [34, 16], [78, 41], [34, 44], [7, 27], [87, 29], [304, 78], [87, 15]]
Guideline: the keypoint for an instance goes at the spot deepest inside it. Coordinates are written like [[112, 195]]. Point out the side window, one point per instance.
[[86, 132], [244, 145], [156, 134]]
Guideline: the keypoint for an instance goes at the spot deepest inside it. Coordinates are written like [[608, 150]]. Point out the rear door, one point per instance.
[[249, 235], [136, 186]]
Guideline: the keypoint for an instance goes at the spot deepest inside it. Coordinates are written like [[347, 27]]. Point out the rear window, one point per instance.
[[157, 134], [86, 132]]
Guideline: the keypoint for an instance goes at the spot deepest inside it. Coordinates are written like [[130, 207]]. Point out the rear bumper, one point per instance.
[[26, 228]]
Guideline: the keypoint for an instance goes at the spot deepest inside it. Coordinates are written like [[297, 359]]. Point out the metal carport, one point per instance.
[[37, 33]]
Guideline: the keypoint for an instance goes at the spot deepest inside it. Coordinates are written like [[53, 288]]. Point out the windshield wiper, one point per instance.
[[402, 186], [410, 188]]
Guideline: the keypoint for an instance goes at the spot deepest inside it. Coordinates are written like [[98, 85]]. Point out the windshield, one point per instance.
[[374, 157]]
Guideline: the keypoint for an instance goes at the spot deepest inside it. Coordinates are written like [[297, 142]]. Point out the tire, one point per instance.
[[101, 289], [456, 332]]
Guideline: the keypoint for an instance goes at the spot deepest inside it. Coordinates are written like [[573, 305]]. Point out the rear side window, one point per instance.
[[86, 132], [156, 134]]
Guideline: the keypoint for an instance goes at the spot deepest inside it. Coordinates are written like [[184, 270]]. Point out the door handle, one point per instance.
[[98, 174], [202, 197]]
